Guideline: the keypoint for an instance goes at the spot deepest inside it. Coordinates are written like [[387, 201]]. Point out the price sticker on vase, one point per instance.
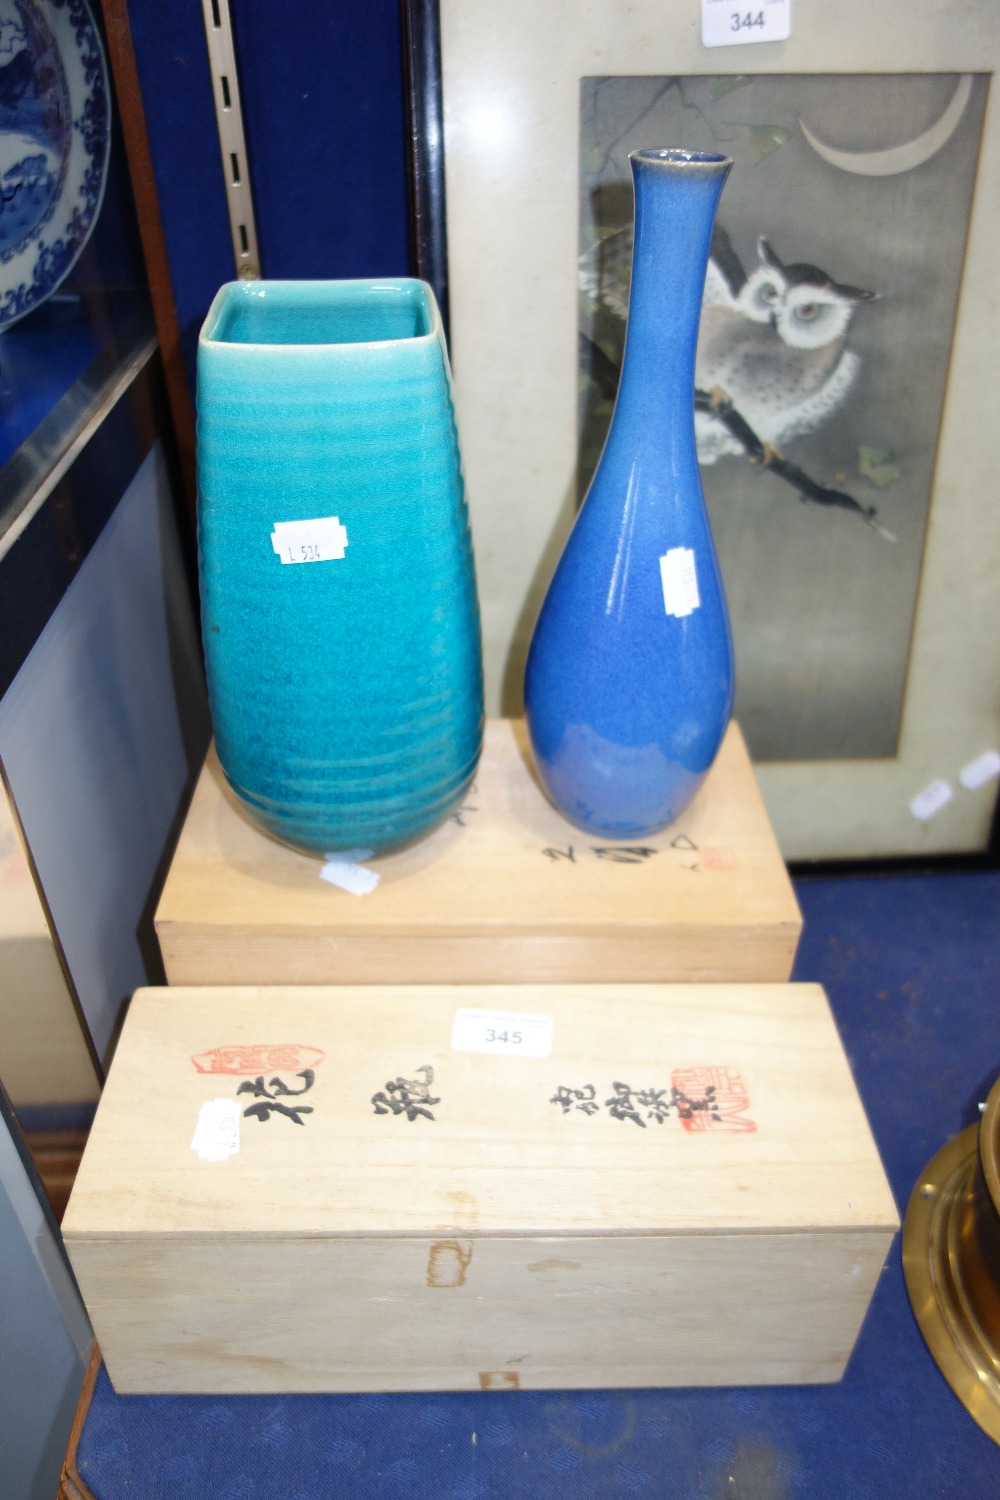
[[323, 539], [679, 577], [511, 1033], [725, 24]]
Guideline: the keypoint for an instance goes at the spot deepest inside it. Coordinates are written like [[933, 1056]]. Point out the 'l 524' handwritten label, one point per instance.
[[321, 540]]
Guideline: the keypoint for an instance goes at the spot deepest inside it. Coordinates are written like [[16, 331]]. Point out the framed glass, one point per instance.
[[866, 664]]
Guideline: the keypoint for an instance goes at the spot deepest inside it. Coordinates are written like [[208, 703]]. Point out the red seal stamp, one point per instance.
[[717, 857], [258, 1057], [722, 1100]]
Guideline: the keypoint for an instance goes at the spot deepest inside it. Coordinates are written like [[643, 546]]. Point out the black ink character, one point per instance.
[[270, 1093], [624, 1104], [629, 1104], [618, 854], [584, 1099], [556, 854], [458, 816], [655, 1103], [688, 1108], [683, 842], [407, 1096]]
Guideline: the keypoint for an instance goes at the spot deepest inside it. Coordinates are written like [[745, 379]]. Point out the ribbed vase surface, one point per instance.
[[629, 680], [339, 608]]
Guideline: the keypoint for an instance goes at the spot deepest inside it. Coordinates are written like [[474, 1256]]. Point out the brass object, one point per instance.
[[951, 1261]]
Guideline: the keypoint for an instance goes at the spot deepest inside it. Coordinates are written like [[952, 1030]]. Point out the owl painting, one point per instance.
[[818, 406], [773, 344]]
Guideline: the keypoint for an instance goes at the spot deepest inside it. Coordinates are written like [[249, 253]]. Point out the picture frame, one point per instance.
[[510, 91], [420, 22]]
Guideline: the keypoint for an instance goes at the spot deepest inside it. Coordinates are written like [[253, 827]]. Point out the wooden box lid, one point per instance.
[[505, 891], [657, 1110], [623, 1172]]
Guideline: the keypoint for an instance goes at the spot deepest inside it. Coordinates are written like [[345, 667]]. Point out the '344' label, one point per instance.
[[727, 24]]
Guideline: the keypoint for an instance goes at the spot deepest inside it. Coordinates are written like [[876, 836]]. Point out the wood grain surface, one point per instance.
[[45, 1059], [507, 891], [502, 1229]]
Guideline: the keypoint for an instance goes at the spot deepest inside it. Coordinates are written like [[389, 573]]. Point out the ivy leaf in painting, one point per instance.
[[764, 139], [725, 83], [878, 466]]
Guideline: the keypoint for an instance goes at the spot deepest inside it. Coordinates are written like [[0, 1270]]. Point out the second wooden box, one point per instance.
[[539, 1187]]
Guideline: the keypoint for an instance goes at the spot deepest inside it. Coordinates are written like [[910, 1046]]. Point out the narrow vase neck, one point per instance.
[[676, 196]]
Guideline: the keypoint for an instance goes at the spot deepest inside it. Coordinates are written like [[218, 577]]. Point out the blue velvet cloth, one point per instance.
[[910, 965], [322, 99], [44, 354], [40, 360]]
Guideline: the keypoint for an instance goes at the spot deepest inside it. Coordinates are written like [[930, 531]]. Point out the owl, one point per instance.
[[775, 343]]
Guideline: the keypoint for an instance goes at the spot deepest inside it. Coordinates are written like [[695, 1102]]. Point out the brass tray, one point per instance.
[[951, 1262]]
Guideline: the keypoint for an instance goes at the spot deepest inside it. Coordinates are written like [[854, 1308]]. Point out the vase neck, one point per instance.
[[676, 196]]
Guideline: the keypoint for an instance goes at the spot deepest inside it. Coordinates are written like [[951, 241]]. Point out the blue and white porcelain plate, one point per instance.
[[55, 135]]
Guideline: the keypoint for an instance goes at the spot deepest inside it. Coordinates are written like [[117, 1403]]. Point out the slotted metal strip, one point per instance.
[[232, 141]]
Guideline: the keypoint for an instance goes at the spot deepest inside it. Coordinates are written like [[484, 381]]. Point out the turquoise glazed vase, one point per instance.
[[629, 680], [339, 609]]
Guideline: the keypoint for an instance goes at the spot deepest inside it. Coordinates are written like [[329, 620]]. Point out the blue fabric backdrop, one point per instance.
[[322, 97]]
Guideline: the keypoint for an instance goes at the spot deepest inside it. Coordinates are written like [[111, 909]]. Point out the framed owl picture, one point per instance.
[[849, 318]]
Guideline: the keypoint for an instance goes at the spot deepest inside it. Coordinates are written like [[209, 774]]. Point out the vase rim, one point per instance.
[[676, 156], [325, 296]]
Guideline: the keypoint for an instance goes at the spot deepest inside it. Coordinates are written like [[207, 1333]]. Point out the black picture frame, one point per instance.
[[423, 98]]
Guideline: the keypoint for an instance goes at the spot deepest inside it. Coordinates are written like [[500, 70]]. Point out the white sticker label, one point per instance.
[[321, 540], [680, 582], [931, 800], [345, 871], [981, 770], [217, 1133], [514, 1033], [725, 23]]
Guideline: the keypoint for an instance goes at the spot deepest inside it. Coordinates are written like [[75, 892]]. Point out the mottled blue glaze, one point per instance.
[[627, 704], [346, 694]]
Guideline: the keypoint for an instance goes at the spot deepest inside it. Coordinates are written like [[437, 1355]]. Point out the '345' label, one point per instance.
[[512, 1033]]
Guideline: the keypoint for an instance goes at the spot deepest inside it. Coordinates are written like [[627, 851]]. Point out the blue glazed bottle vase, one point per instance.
[[629, 680], [339, 608]]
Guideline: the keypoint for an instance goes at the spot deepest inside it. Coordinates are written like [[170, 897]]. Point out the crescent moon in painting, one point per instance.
[[898, 158]]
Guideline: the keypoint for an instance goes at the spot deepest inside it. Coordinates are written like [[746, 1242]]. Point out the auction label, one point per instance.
[[679, 578], [725, 24], [217, 1133], [321, 540], [513, 1033]]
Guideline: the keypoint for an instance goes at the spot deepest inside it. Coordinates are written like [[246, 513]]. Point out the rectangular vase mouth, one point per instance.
[[320, 314]]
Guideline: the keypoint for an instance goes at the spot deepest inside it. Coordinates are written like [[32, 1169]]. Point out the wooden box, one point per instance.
[[532, 1187], [505, 892], [44, 1059]]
